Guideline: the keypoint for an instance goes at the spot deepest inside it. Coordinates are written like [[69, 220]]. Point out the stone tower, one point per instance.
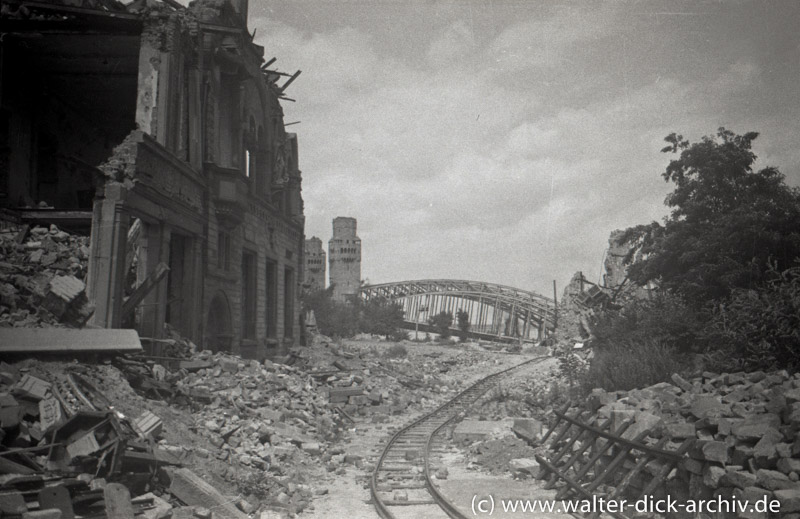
[[344, 256], [314, 274]]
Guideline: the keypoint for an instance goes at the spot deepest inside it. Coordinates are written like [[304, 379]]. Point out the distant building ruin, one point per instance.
[[158, 128], [344, 258], [314, 273]]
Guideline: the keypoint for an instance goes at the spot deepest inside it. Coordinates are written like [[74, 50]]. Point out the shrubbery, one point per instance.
[[758, 328], [624, 365], [442, 322], [339, 319]]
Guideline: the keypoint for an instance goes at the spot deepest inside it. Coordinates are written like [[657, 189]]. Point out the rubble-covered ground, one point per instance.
[[40, 267], [270, 437]]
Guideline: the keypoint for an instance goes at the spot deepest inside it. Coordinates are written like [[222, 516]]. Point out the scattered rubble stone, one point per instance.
[[742, 428], [42, 278]]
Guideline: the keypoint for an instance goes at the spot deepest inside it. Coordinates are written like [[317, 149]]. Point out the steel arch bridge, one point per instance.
[[495, 311]]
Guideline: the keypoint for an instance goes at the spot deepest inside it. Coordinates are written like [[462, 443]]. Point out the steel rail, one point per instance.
[[460, 401]]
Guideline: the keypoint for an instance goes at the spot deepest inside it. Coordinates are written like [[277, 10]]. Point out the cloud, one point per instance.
[[454, 43], [506, 156]]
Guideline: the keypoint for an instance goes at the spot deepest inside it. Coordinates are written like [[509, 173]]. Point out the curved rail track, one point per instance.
[[405, 463]]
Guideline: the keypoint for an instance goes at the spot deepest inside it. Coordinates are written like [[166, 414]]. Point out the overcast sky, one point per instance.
[[503, 140]]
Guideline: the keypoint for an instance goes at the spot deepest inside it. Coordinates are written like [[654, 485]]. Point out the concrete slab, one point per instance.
[[479, 430], [64, 340]]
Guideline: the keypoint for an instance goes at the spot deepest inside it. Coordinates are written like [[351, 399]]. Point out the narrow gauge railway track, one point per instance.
[[405, 462]]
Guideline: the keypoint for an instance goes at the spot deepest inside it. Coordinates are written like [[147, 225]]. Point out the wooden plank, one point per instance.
[[10, 467], [617, 461], [66, 340], [571, 483], [560, 416], [599, 454], [586, 444], [615, 437], [668, 466], [626, 481], [150, 282]]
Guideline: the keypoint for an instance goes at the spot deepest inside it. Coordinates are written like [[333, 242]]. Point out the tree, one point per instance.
[[381, 317], [442, 322], [334, 318], [727, 221], [462, 318]]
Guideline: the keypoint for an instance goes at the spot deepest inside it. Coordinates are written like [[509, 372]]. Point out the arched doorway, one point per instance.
[[219, 333]]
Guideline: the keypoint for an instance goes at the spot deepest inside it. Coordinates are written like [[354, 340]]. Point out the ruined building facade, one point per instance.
[[344, 258], [160, 129], [314, 274]]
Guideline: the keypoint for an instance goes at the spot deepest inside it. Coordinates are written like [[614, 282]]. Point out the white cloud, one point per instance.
[[453, 171]]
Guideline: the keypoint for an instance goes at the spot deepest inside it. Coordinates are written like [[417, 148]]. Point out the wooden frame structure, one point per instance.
[[598, 456]]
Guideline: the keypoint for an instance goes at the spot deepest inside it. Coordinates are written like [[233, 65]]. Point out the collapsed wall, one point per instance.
[[582, 298]]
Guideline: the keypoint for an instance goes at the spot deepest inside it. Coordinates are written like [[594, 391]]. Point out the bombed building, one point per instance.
[[158, 130]]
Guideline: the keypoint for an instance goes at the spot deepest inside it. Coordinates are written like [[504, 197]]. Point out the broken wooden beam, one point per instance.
[[290, 81], [145, 288]]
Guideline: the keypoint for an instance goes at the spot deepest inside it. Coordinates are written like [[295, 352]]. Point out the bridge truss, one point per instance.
[[495, 311]]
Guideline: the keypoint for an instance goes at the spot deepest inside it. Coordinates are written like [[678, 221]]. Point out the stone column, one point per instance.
[[106, 279]]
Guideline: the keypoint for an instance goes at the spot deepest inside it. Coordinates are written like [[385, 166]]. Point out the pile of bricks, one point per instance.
[[745, 429], [42, 274]]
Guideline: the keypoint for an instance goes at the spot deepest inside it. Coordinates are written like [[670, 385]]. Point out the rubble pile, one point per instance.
[[42, 275], [66, 450], [743, 431], [523, 397]]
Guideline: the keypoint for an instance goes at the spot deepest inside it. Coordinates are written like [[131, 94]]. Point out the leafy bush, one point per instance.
[[758, 329], [381, 317], [398, 335], [627, 365], [462, 318], [442, 322], [345, 319], [665, 318]]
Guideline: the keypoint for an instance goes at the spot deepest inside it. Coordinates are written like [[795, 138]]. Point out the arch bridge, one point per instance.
[[495, 311]]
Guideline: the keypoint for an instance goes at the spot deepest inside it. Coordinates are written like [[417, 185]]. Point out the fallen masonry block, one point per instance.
[[159, 508], [340, 395], [118, 501], [148, 424], [789, 499], [12, 504], [527, 466], [57, 497], [528, 429], [192, 490], [50, 413], [477, 430], [63, 290], [32, 387], [710, 451], [64, 340]]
